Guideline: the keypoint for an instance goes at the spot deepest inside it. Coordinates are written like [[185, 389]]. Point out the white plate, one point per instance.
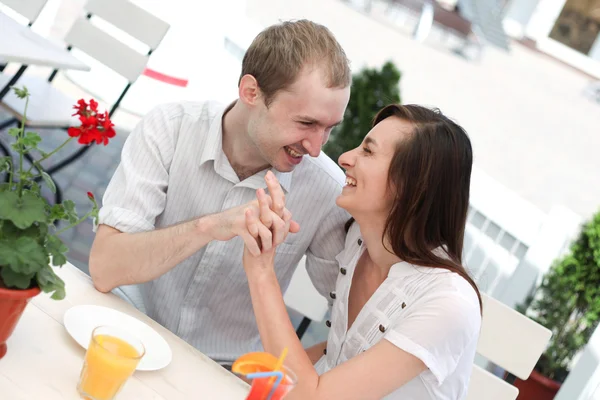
[[81, 320]]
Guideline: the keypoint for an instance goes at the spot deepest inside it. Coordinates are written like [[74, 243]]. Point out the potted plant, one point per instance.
[[371, 90], [29, 243], [568, 303]]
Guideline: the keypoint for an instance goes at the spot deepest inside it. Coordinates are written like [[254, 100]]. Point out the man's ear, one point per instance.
[[249, 91]]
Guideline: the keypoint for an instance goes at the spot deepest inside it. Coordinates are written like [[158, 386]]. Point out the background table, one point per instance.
[[19, 44], [44, 362]]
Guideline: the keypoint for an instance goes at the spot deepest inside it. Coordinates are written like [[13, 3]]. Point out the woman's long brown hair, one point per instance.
[[430, 177]]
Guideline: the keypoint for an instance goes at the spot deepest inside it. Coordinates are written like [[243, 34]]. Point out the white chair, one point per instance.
[[510, 340], [28, 9]]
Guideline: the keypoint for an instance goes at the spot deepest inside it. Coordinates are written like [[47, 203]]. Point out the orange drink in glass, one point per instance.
[[111, 358], [261, 387]]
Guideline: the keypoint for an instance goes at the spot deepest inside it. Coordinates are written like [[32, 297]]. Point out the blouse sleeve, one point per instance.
[[437, 329]]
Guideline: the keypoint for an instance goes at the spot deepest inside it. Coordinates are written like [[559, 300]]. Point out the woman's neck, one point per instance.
[[371, 230]]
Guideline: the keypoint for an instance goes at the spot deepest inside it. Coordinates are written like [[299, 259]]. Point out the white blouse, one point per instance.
[[430, 313]]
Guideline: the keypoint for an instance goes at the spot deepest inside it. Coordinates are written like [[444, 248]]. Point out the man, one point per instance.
[[173, 214]]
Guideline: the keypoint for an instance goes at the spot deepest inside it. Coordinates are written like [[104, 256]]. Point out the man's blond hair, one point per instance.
[[278, 54]]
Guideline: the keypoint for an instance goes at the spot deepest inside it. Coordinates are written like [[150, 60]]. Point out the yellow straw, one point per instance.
[[277, 368]]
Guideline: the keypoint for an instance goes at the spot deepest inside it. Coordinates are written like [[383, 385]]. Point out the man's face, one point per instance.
[[298, 120]]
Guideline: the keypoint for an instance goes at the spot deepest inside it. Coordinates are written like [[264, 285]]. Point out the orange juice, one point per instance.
[[260, 388], [110, 360]]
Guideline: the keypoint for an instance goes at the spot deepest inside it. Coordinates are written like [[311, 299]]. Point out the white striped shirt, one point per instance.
[[173, 169]]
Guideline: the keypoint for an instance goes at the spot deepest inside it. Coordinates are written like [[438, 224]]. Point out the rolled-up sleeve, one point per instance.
[[136, 194], [437, 331]]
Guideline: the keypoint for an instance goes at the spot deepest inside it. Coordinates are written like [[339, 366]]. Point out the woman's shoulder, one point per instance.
[[436, 286]]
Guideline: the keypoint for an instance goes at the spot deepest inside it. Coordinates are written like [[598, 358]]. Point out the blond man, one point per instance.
[[173, 214]]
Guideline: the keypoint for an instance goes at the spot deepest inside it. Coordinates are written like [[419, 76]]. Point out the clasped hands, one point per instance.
[[266, 225]]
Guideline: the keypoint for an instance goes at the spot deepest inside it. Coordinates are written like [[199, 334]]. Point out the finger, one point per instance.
[[294, 227], [265, 210], [279, 230], [250, 241], [251, 223], [276, 193], [266, 237]]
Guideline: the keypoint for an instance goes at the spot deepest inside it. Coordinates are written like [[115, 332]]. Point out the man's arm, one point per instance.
[[118, 258], [127, 248]]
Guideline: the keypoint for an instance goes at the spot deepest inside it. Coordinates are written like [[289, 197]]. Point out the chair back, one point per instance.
[[510, 340], [29, 9], [95, 35]]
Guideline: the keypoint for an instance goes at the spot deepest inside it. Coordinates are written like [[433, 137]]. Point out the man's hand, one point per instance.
[[231, 223]]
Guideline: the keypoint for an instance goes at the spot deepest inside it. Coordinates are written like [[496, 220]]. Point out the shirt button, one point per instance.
[[382, 328], [359, 242], [403, 305], [325, 351], [328, 323], [332, 295], [343, 271]]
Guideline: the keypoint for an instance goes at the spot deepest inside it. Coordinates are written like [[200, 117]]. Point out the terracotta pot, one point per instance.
[[537, 387], [12, 305]]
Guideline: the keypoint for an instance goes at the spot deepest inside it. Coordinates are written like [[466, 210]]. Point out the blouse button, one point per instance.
[[325, 351], [328, 323], [359, 242], [332, 295], [403, 305], [382, 328], [343, 271]]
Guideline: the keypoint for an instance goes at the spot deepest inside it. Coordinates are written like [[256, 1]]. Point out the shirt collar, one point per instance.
[[213, 151]]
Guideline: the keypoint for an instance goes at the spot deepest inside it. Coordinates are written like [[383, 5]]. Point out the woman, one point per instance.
[[406, 315]]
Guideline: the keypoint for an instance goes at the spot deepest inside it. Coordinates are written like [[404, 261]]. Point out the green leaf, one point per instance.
[[21, 93], [13, 279], [14, 132], [57, 249], [5, 163], [31, 139], [48, 281], [24, 255], [70, 211], [22, 211], [57, 212], [10, 231], [49, 181]]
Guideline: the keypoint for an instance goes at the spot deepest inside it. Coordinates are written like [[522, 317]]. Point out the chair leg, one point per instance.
[[7, 123], [303, 327]]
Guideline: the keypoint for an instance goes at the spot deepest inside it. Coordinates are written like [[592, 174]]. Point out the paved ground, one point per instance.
[[531, 127]]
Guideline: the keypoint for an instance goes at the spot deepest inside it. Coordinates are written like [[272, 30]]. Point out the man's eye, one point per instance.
[[306, 123], [366, 150]]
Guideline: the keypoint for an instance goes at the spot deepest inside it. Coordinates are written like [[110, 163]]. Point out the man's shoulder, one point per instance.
[[323, 165], [194, 110]]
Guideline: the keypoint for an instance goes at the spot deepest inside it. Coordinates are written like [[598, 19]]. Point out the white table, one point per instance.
[[19, 44], [44, 362]]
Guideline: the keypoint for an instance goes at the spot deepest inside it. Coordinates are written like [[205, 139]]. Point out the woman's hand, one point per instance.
[[270, 228]]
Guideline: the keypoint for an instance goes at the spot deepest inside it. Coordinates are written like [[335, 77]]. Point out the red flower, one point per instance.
[[95, 127], [90, 195], [81, 107]]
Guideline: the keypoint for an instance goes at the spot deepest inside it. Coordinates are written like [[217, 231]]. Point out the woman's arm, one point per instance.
[[371, 375]]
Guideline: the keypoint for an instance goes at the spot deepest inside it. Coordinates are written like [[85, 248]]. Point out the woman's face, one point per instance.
[[367, 190]]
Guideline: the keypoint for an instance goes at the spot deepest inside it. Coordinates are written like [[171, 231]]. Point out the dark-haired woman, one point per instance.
[[406, 315]]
